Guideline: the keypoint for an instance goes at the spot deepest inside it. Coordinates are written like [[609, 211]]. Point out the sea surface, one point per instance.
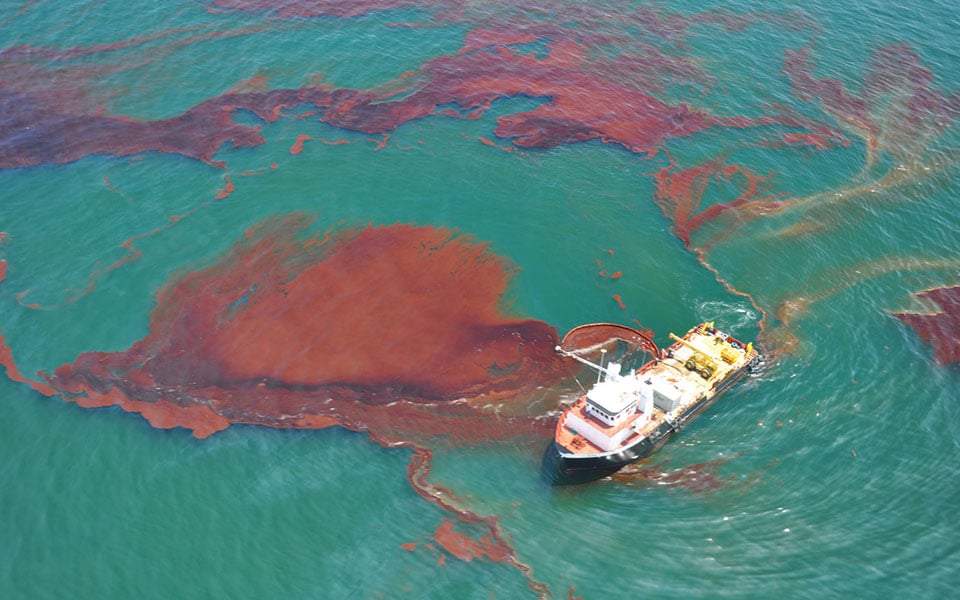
[[824, 133]]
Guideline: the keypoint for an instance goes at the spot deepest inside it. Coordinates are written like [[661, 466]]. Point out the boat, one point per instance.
[[625, 416]]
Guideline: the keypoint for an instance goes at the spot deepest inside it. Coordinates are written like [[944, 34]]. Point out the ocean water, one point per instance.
[[835, 472]]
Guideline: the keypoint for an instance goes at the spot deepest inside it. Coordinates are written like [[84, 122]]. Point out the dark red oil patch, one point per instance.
[[941, 329], [396, 331], [379, 329]]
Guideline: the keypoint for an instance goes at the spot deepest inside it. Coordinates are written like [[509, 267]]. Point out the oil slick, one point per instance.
[[371, 329], [941, 328]]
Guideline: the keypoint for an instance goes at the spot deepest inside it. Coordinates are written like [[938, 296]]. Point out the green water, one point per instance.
[[843, 478]]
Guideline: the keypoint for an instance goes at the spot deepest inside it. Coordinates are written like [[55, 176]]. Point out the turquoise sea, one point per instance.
[[788, 170]]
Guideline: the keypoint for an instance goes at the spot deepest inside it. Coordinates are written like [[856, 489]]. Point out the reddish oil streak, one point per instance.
[[482, 37], [466, 548], [815, 140], [132, 254], [579, 104], [897, 79], [700, 477], [37, 131], [6, 356], [226, 190], [314, 8], [941, 329], [680, 194], [297, 147], [13, 372], [494, 546], [377, 329]]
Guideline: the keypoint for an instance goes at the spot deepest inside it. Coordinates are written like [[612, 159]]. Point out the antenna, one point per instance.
[[603, 353]]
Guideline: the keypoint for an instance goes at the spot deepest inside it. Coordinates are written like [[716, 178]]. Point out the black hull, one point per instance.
[[563, 468]]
